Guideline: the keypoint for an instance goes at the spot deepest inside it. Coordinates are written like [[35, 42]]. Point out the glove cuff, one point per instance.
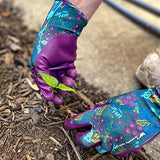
[[152, 97], [64, 17], [157, 109]]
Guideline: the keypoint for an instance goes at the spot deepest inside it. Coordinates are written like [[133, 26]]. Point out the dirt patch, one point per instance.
[[30, 127]]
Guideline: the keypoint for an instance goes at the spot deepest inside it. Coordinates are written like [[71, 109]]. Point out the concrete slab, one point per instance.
[[34, 11], [110, 48]]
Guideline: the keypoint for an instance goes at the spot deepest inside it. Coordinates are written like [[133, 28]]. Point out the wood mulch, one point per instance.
[[30, 127]]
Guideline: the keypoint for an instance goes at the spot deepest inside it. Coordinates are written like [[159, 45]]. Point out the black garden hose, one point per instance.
[[146, 6], [149, 26]]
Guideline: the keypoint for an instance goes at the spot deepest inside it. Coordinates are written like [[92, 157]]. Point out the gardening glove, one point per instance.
[[121, 124], [55, 47]]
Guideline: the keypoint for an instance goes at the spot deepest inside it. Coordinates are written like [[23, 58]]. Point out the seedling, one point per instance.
[[53, 82]]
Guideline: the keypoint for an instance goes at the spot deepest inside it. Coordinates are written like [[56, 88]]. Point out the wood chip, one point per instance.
[[142, 155], [25, 117], [6, 112], [55, 141], [72, 144], [9, 97], [6, 14], [26, 93], [16, 145], [24, 90], [15, 47], [69, 105], [8, 58], [10, 89], [3, 119], [41, 153], [20, 100], [28, 157], [33, 86], [54, 123], [68, 156], [35, 117], [3, 51], [87, 100], [4, 107], [13, 43], [130, 158], [38, 96], [50, 156], [95, 156], [13, 39]]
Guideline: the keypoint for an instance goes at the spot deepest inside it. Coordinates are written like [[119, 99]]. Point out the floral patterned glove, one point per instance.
[[121, 124], [55, 47]]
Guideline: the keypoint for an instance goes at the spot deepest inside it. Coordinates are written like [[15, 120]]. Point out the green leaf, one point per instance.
[[65, 88], [51, 81], [59, 95], [54, 90]]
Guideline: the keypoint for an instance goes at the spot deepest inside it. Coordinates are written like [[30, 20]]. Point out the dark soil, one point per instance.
[[30, 127]]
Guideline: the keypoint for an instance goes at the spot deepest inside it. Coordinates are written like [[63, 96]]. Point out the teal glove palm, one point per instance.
[[120, 125]]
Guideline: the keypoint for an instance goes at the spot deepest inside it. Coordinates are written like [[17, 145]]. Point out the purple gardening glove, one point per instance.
[[120, 125], [55, 47]]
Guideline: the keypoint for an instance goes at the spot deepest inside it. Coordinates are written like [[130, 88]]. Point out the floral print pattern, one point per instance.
[[61, 19], [126, 123]]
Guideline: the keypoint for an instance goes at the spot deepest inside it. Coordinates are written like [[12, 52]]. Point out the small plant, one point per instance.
[[53, 82]]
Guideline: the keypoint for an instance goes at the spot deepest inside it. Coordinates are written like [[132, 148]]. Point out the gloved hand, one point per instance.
[[121, 124], [55, 47]]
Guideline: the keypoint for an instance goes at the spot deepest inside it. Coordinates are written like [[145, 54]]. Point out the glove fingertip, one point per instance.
[[68, 81], [34, 75], [49, 95], [79, 140], [57, 99], [72, 73], [68, 123], [84, 139], [72, 124]]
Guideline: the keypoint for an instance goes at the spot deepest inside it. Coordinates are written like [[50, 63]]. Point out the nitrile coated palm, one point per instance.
[[121, 124], [55, 47]]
